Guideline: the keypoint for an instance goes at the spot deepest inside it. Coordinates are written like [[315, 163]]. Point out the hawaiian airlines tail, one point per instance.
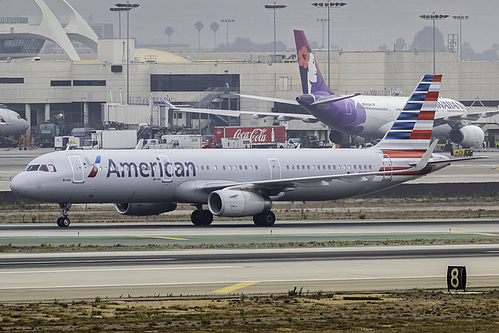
[[311, 77]]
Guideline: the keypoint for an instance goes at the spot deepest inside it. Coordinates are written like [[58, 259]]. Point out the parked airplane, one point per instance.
[[11, 122], [236, 183], [357, 115], [371, 116]]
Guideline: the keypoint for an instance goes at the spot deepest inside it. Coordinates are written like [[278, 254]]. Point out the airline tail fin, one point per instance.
[[311, 77], [413, 127]]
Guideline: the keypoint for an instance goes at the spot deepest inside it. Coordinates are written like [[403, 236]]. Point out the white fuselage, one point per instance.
[[381, 113], [121, 176], [11, 123]]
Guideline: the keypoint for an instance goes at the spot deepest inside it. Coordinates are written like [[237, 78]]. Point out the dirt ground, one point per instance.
[[411, 311], [426, 207]]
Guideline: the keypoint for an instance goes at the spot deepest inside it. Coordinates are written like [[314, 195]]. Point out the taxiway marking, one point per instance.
[[477, 233], [234, 287], [159, 237]]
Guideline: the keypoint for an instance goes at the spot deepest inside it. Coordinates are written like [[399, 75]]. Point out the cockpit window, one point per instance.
[[33, 167], [42, 167]]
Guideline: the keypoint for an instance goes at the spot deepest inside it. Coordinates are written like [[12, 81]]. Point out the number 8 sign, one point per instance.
[[456, 277]]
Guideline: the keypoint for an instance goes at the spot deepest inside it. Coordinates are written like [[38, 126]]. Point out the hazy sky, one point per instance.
[[360, 25]]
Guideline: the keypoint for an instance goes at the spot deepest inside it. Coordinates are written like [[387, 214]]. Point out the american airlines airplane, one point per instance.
[[236, 183], [369, 117], [11, 122]]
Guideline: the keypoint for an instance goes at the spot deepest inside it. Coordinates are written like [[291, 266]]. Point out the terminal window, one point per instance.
[[193, 82], [89, 83], [11, 80], [60, 83]]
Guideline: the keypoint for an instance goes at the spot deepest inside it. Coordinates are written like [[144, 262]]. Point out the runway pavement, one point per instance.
[[48, 276], [123, 275]]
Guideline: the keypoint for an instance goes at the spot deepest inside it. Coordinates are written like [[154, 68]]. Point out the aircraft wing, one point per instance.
[[290, 102], [270, 99], [333, 99], [465, 116], [236, 113]]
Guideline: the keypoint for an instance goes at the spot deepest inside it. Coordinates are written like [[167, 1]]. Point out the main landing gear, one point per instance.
[[201, 216], [64, 221], [265, 219]]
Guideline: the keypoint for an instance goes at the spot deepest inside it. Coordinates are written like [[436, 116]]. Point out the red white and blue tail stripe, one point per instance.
[[411, 132]]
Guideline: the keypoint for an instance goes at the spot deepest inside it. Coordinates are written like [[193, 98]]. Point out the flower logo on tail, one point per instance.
[[303, 57]]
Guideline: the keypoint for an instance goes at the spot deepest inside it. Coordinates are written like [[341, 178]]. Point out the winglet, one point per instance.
[[426, 157], [170, 105]]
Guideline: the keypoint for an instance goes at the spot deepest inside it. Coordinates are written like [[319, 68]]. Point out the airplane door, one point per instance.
[[387, 165], [168, 169], [77, 167], [391, 110], [275, 168]]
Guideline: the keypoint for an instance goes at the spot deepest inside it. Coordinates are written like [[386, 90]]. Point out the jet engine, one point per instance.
[[237, 203], [145, 209], [468, 136]]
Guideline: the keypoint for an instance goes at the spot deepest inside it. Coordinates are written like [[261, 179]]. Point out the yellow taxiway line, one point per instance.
[[159, 237], [234, 287], [477, 233]]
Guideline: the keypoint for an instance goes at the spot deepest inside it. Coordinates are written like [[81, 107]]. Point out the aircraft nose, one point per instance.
[[18, 186], [25, 125]]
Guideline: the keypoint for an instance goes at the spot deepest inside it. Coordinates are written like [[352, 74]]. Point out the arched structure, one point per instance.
[[22, 40]]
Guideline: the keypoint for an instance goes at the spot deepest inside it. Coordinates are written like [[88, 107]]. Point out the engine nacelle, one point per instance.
[[231, 203], [145, 209], [468, 136]]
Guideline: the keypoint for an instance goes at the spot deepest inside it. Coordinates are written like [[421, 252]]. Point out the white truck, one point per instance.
[[173, 142], [236, 143], [112, 139], [62, 142]]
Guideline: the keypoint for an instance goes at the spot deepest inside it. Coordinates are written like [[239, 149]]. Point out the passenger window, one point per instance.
[[256, 167], [33, 167], [207, 168]]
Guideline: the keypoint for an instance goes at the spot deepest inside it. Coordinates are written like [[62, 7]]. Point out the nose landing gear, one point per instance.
[[64, 221]]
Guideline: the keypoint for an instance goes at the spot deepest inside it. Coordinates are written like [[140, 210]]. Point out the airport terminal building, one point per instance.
[[43, 87]]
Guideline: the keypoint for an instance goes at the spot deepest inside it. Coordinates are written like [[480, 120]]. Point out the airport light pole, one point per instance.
[[322, 21], [328, 5], [127, 7], [434, 17], [460, 17], [119, 10], [274, 7], [227, 21]]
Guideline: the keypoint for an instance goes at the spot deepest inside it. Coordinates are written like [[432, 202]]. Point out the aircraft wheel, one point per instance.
[[206, 217], [59, 221], [196, 217], [265, 219], [65, 222], [201, 217]]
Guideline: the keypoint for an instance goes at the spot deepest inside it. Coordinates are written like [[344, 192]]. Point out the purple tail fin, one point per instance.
[[311, 77]]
